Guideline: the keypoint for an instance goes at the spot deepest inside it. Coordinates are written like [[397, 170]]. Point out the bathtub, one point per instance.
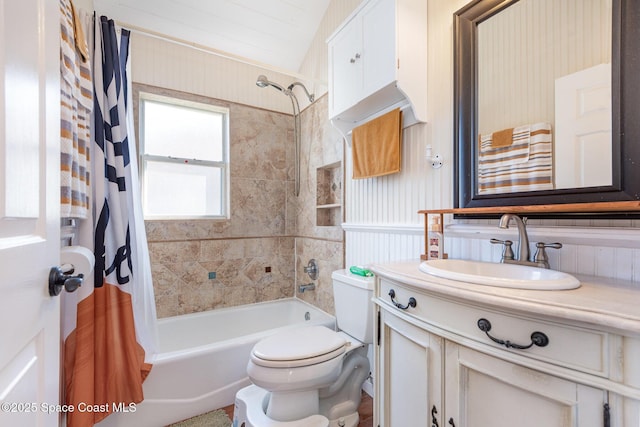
[[203, 359]]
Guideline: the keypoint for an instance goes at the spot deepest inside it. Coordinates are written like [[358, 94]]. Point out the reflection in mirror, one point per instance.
[[524, 73], [544, 96]]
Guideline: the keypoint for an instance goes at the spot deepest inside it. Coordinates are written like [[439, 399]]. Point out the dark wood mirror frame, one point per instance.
[[625, 90]]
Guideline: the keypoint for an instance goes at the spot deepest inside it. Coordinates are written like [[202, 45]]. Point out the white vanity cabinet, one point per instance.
[[434, 366], [378, 59], [409, 373]]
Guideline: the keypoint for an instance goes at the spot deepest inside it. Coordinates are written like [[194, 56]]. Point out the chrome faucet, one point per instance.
[[306, 287], [540, 258], [523, 238]]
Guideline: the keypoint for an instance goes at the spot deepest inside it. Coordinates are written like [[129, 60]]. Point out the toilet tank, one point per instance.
[[354, 309]]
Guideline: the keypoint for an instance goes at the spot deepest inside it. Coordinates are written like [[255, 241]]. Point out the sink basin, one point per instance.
[[501, 275]]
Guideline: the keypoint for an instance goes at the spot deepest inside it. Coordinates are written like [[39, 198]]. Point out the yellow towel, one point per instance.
[[375, 146]]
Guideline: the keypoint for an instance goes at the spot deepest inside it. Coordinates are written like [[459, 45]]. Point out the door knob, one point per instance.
[[59, 279]]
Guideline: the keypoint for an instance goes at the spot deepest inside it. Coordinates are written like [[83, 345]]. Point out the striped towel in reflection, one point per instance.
[[525, 164]]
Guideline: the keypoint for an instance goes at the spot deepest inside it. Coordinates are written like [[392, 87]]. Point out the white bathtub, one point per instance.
[[203, 359]]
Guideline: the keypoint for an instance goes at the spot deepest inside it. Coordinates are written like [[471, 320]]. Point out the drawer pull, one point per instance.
[[537, 338], [412, 301]]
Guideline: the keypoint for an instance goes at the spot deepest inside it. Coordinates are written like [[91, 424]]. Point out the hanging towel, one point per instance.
[[76, 102], [375, 146], [524, 165], [502, 138]]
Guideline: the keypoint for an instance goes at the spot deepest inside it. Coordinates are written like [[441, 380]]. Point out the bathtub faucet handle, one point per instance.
[[312, 269]]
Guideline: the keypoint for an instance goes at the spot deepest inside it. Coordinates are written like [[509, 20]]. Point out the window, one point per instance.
[[184, 149]]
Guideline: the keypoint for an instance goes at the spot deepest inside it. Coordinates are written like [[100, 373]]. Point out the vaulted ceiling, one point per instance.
[[276, 33]]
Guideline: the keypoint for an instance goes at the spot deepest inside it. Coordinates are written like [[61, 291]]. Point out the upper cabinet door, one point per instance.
[[345, 62], [379, 57]]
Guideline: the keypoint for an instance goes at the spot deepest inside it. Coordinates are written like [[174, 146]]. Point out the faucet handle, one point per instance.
[[541, 257], [507, 253]]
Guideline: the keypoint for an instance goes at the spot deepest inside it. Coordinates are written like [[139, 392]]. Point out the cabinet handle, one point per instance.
[[451, 422], [434, 420], [412, 301], [357, 56], [537, 338]]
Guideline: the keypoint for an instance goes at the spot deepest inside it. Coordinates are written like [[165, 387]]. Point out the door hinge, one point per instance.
[[606, 413]]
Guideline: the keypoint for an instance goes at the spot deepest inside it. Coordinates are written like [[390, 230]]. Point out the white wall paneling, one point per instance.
[[367, 244]]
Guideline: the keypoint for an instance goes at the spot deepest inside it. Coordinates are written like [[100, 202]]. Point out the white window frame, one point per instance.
[[223, 165]]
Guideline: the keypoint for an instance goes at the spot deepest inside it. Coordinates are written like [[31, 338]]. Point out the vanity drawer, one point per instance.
[[573, 347]]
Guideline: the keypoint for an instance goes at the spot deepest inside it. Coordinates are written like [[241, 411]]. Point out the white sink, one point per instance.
[[501, 275]]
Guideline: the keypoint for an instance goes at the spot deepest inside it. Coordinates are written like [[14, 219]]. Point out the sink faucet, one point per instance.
[[523, 238], [540, 258]]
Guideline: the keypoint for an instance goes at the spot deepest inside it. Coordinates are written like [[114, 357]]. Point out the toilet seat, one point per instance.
[[299, 347]]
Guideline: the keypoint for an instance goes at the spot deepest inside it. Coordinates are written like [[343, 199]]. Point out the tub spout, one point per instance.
[[306, 287]]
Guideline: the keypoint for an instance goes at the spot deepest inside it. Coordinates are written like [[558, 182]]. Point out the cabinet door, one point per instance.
[[345, 68], [409, 375], [379, 59], [482, 390]]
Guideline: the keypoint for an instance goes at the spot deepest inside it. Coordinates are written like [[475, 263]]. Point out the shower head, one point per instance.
[[264, 82]]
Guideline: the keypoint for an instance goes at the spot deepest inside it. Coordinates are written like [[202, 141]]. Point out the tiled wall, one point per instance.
[[257, 237], [322, 145], [259, 253]]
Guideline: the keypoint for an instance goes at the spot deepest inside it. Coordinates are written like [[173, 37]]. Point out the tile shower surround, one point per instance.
[[268, 225]]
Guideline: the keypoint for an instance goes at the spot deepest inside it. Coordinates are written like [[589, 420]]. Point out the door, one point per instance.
[[483, 390], [409, 374], [29, 212], [583, 128], [378, 45], [345, 67]]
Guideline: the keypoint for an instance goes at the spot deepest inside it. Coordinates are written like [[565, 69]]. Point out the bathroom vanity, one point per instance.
[[450, 353]]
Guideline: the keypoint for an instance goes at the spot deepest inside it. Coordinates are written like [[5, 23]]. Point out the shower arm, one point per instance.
[[310, 96]]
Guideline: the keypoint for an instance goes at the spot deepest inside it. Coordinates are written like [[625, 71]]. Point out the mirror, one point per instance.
[[519, 67]]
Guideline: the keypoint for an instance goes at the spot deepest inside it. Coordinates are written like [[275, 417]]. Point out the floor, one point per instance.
[[365, 410]]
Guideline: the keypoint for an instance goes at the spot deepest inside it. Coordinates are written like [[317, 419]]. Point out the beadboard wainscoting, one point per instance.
[[612, 252], [371, 243], [595, 251]]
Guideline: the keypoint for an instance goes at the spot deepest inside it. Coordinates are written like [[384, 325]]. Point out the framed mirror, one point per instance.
[[525, 73]]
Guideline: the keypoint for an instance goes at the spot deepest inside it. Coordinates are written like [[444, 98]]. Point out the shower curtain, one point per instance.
[[110, 331]]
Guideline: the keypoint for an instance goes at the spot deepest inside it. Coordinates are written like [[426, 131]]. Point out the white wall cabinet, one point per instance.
[[434, 366], [378, 61]]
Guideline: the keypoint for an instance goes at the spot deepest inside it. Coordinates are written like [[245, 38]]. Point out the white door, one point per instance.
[[583, 129], [29, 212]]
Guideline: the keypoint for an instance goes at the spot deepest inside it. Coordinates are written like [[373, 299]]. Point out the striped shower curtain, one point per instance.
[[110, 339]]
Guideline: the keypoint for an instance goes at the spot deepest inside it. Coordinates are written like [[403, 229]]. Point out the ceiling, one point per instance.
[[276, 33]]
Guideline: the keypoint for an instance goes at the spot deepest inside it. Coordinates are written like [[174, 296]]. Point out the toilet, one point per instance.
[[311, 376]]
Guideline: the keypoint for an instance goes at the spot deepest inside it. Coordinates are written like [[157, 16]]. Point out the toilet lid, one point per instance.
[[298, 347]]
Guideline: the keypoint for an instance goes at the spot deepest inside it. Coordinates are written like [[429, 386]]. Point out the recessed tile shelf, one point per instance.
[[329, 195]]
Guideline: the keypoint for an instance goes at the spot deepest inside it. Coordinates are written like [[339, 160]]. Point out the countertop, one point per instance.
[[602, 302]]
